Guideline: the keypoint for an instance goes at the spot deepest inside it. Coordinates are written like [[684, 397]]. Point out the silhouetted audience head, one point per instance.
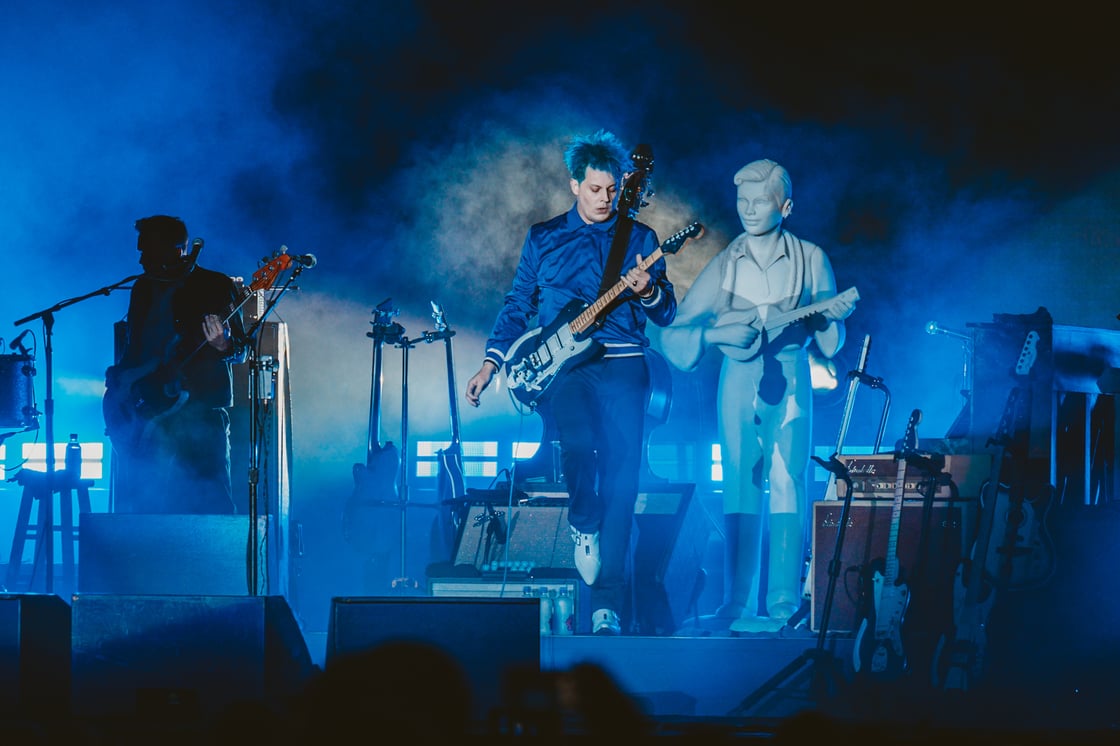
[[397, 689]]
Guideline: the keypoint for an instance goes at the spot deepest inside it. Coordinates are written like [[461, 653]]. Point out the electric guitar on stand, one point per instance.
[[451, 486], [375, 481], [960, 658], [878, 649]]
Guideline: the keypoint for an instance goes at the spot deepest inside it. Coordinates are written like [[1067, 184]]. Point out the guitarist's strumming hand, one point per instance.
[[479, 381], [733, 329], [638, 281], [217, 333]]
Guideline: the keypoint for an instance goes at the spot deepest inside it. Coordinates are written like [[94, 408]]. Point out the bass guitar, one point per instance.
[[878, 649], [775, 324], [451, 485], [960, 657], [138, 397], [375, 481], [539, 355]]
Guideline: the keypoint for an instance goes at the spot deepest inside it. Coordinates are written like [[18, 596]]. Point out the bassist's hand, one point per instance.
[[479, 381], [217, 333]]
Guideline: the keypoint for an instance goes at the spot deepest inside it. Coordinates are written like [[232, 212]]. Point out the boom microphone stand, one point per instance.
[[825, 671], [47, 315]]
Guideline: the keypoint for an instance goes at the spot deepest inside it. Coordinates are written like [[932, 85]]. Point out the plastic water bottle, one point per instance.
[[564, 613], [546, 611], [73, 459]]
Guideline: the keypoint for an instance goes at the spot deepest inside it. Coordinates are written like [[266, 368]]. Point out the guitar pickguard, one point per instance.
[[538, 356]]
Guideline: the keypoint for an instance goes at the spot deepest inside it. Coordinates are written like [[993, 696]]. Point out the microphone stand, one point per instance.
[[254, 426], [825, 674], [47, 315]]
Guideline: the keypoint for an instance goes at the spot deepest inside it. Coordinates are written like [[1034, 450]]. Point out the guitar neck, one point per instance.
[[373, 439], [585, 320], [891, 562], [782, 320], [451, 391]]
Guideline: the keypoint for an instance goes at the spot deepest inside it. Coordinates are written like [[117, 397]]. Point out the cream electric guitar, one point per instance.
[[775, 324], [878, 650]]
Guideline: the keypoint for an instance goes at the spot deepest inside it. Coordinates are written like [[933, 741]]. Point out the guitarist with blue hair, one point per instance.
[[599, 401]]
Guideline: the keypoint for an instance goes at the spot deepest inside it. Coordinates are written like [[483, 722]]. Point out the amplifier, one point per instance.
[[875, 475], [865, 539]]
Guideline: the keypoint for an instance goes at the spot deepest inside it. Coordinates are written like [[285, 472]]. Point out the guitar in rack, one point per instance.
[[878, 649], [451, 487], [375, 481], [961, 657]]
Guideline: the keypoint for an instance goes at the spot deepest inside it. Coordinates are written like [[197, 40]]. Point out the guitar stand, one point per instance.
[[823, 669]]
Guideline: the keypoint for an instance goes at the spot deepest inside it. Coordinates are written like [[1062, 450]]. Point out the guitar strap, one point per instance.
[[613, 270]]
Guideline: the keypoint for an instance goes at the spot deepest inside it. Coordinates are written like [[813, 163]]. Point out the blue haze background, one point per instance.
[[955, 163]]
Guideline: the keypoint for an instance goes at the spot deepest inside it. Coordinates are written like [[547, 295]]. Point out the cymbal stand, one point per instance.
[[47, 315], [823, 668]]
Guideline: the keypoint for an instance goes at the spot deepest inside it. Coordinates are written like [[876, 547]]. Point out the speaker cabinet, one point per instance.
[[488, 637], [151, 554], [34, 654], [865, 539], [190, 655], [672, 535]]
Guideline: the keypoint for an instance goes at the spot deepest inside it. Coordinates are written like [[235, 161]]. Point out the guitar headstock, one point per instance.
[[910, 439], [265, 277], [1028, 354], [674, 243], [637, 186]]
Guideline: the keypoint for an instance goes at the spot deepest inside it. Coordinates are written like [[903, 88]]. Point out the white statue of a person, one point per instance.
[[764, 400]]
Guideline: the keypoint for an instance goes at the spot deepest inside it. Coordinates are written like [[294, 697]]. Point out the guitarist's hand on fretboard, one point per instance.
[[838, 308], [217, 333]]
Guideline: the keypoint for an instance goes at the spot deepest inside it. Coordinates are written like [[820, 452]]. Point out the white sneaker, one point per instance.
[[587, 555], [605, 622]]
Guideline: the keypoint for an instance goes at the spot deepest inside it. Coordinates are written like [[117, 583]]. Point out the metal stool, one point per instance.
[[36, 486]]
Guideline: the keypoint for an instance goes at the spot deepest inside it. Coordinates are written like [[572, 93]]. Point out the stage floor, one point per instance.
[[708, 680]]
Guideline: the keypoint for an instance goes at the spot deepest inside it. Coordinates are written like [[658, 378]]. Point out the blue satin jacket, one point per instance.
[[562, 259]]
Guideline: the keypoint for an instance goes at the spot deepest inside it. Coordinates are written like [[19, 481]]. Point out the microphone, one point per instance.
[[17, 343], [305, 260], [933, 328]]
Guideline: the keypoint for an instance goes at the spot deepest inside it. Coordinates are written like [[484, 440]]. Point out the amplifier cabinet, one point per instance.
[[521, 538], [865, 540], [874, 476]]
